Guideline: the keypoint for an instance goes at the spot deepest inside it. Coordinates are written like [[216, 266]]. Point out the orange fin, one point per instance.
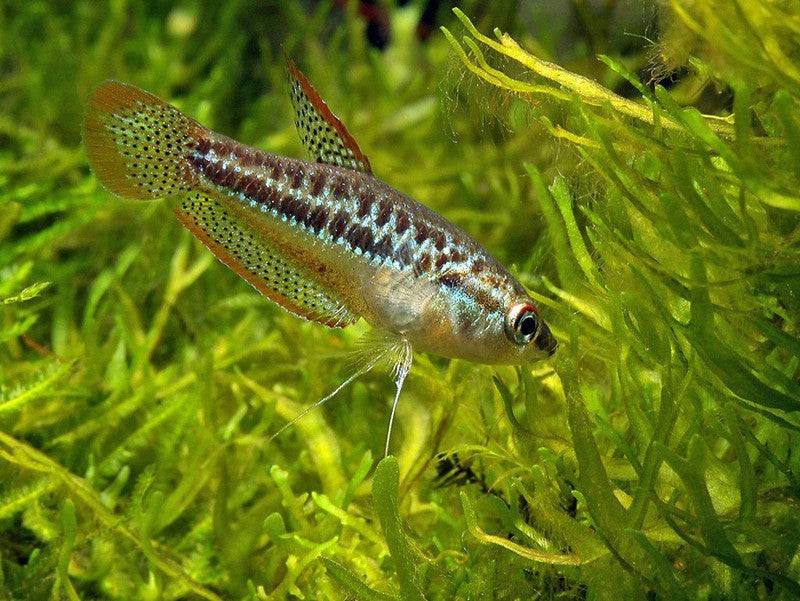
[[238, 246], [322, 133], [138, 144]]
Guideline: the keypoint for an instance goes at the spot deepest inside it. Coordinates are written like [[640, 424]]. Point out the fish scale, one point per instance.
[[362, 215]]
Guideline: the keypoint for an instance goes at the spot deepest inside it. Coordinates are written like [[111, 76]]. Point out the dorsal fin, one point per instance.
[[321, 132]]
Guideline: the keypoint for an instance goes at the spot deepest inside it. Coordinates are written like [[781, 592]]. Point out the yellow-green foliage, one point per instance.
[[654, 457]]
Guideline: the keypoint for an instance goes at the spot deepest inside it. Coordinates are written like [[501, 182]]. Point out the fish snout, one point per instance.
[[545, 341]]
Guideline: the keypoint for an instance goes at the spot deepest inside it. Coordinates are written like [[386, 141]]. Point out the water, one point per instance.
[[652, 457]]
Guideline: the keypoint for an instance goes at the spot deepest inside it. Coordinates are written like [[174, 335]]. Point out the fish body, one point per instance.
[[325, 239]]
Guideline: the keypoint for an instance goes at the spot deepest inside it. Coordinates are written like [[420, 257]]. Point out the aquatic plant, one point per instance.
[[657, 228]]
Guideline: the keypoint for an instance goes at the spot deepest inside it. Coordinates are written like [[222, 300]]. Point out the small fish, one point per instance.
[[324, 239]]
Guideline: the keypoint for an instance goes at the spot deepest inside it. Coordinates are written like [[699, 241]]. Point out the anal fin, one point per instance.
[[241, 248]]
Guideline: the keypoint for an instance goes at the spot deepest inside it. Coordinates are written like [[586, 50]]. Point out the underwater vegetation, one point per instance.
[[636, 166]]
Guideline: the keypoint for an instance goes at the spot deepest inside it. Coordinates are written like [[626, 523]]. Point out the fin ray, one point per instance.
[[402, 367], [356, 373]]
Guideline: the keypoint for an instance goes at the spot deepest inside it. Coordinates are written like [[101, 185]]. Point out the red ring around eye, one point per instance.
[[514, 318], [523, 308]]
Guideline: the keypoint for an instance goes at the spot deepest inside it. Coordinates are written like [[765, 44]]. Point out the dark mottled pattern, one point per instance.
[[228, 175], [402, 222], [250, 186], [277, 169], [340, 188], [318, 218], [365, 200], [360, 237], [384, 247], [406, 257], [424, 263], [384, 212], [338, 224], [318, 181], [296, 208], [266, 196], [452, 279], [355, 210], [203, 146], [438, 239], [297, 176], [422, 233]]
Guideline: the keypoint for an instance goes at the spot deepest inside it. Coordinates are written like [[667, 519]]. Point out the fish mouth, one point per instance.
[[545, 341]]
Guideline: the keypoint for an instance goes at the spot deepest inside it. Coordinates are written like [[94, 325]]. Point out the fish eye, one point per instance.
[[527, 325], [522, 323]]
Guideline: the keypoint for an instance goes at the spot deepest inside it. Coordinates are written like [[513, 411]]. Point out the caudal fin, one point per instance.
[[138, 145]]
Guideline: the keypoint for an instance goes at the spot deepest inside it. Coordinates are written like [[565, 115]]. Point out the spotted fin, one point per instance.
[[238, 246], [322, 133], [138, 145]]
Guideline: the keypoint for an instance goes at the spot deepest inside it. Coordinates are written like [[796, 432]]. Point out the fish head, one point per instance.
[[493, 320], [512, 333], [527, 332], [478, 312]]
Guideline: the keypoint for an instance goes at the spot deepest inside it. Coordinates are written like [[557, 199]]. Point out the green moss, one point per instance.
[[659, 230]]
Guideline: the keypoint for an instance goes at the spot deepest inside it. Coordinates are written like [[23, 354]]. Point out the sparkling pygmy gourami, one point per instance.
[[324, 239]]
